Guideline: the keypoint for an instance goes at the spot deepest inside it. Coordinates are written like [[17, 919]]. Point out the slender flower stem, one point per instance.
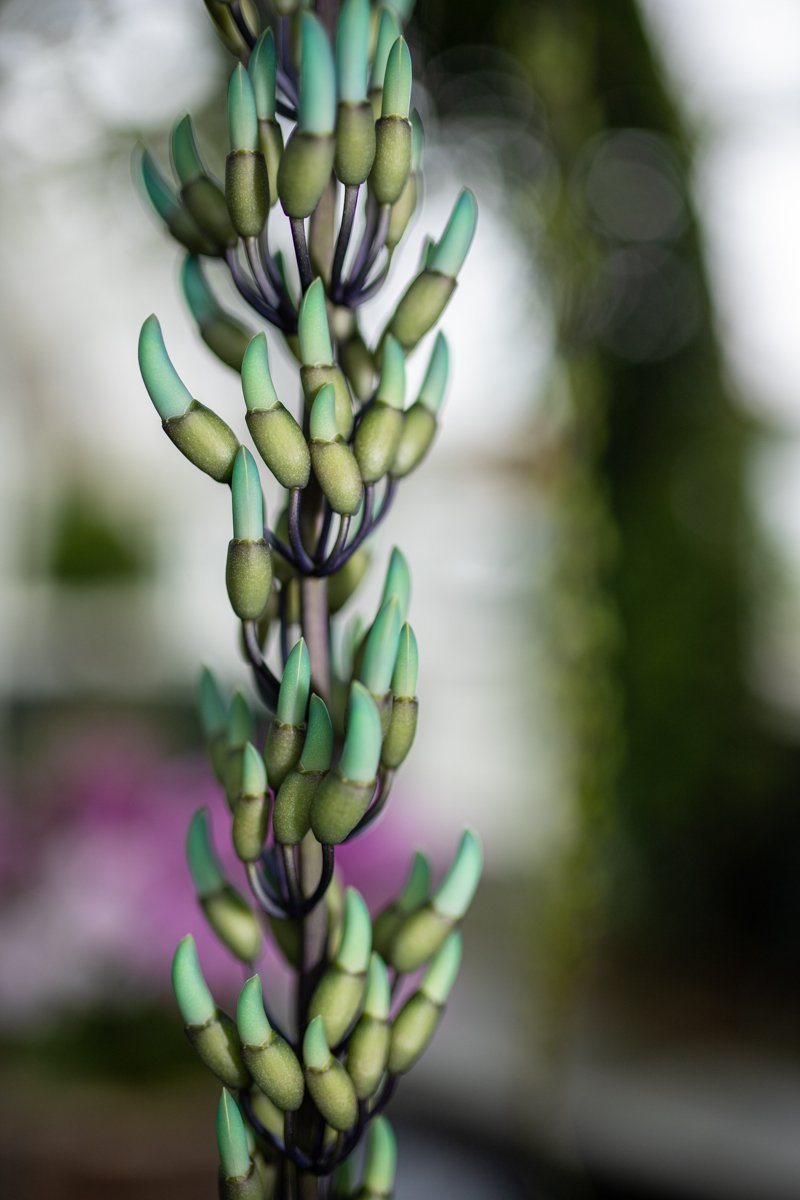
[[322, 540], [267, 684], [376, 245], [343, 240], [377, 805], [301, 252], [261, 277], [241, 24], [370, 224], [249, 293], [304, 561]]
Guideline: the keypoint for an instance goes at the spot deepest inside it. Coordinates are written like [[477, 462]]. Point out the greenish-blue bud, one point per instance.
[[234, 1152], [454, 894], [204, 866], [312, 327], [316, 1052], [170, 396], [262, 69], [362, 742], [247, 498], [397, 583], [392, 383], [431, 394], [195, 1001], [242, 115], [317, 106], [449, 253], [251, 1019], [380, 651], [211, 705], [318, 746], [352, 50], [378, 994], [160, 194], [406, 667], [356, 944], [322, 422], [396, 100], [438, 981], [185, 155], [295, 686], [380, 1159], [198, 295], [254, 772], [388, 33], [259, 390], [417, 885], [240, 722]]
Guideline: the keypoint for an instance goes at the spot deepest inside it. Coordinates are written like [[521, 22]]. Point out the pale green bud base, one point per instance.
[[402, 211], [344, 583], [358, 365], [338, 475], [227, 339], [250, 818], [416, 439], [291, 819], [418, 938], [412, 1030], [384, 704], [401, 732], [205, 202], [377, 439], [276, 1072], [315, 376], [283, 750], [248, 578], [247, 191], [185, 230], [338, 807], [368, 1054], [270, 142], [392, 164], [217, 1046], [234, 923], [355, 142], [205, 439], [420, 307], [334, 1095], [280, 442], [250, 1187], [304, 171], [337, 998]]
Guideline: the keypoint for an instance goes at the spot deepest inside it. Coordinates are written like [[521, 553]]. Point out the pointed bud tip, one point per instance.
[[316, 1052]]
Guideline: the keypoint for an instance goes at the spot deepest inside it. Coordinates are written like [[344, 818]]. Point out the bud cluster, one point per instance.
[[319, 122]]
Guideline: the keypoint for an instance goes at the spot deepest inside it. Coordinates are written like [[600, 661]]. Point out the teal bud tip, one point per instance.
[[378, 993], [362, 743], [204, 867], [251, 1020], [312, 327], [388, 33], [240, 722], [211, 704], [398, 582], [380, 651], [354, 951], [352, 50], [406, 667], [170, 396], [254, 772], [159, 193], [242, 116], [396, 100], [185, 155], [317, 107], [318, 744], [392, 383], [417, 141], [380, 1160], [247, 498], [234, 1152], [431, 394], [416, 888], [295, 686], [452, 248], [191, 991], [456, 890], [316, 1052], [263, 75], [198, 295], [259, 390], [322, 422], [438, 981]]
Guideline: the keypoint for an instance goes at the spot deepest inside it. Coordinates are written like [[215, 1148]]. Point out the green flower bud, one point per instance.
[[247, 498], [388, 33], [232, 1139], [397, 584], [185, 155], [380, 650], [344, 583], [213, 711], [317, 107], [204, 866], [220, 331], [251, 808], [392, 382], [358, 365], [315, 377], [380, 1161], [412, 897], [368, 1046], [403, 210], [339, 995], [285, 741], [269, 1058], [418, 1019], [379, 430], [329, 1084], [226, 911], [270, 143], [312, 327], [242, 115], [240, 722], [422, 934], [392, 164], [166, 204], [450, 251], [247, 191], [403, 719], [171, 398], [420, 307], [304, 171], [211, 1032], [262, 68], [248, 572], [416, 438], [352, 50], [200, 194], [292, 816], [355, 142], [334, 463], [396, 99], [277, 436], [345, 793]]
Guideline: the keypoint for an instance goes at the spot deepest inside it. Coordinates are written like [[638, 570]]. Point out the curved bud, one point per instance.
[[212, 707], [170, 396], [240, 722], [334, 463], [250, 808], [254, 772], [397, 584], [257, 386], [195, 1001], [322, 422], [285, 741], [451, 250], [380, 1160], [247, 499], [431, 394], [185, 155], [292, 816], [212, 1033], [312, 327], [329, 1084], [227, 912], [406, 668], [339, 995], [317, 105], [420, 306], [388, 33], [352, 50], [392, 382], [346, 580], [242, 115], [418, 1019], [402, 726], [262, 68], [269, 1058], [278, 438], [248, 570], [392, 164], [345, 793], [222, 333], [396, 99], [318, 746], [166, 204], [412, 897], [454, 894], [361, 751], [356, 945], [380, 650], [200, 194], [234, 1152], [439, 980], [424, 932], [204, 866]]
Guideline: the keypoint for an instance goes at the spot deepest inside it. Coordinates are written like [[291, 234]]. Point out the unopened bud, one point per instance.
[[418, 1019], [202, 197], [338, 996], [225, 909], [292, 816], [334, 463], [224, 335], [277, 436], [422, 933], [368, 1046], [379, 430], [211, 1032], [345, 793], [287, 734], [329, 1084], [251, 807], [269, 1058], [412, 897]]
